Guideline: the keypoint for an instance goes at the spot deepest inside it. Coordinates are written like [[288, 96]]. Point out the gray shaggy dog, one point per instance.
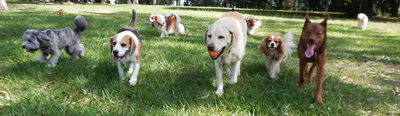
[[51, 42]]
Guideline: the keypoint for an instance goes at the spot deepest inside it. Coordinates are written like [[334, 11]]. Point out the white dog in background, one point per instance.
[[166, 24], [362, 21], [252, 24]]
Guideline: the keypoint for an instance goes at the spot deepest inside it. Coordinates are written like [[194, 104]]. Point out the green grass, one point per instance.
[[177, 77]]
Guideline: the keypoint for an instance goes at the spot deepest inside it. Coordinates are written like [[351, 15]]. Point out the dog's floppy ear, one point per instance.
[[324, 23], [111, 42], [205, 37], [42, 37], [158, 19], [234, 37], [133, 45], [262, 45]]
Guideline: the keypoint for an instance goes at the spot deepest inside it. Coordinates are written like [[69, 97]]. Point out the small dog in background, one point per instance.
[[51, 42], [126, 46], [166, 24], [252, 24], [362, 21], [274, 48]]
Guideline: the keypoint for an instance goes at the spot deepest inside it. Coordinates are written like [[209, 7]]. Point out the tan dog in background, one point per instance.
[[226, 42]]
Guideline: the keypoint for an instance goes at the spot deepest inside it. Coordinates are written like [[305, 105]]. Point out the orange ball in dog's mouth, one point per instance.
[[213, 54]]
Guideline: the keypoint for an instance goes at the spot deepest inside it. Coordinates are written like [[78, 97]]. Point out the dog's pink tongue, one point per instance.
[[310, 50], [116, 59], [272, 49], [149, 22], [27, 50]]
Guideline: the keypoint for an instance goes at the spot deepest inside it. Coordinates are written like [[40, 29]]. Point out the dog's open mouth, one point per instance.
[[219, 53], [31, 50], [271, 48], [116, 58], [310, 49], [150, 22]]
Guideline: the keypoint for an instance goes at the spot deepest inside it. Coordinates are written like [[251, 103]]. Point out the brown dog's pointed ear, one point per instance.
[[110, 44], [158, 19], [307, 19], [205, 37], [324, 23], [133, 45]]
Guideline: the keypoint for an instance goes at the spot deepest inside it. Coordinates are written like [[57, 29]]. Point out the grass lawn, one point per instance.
[[177, 76]]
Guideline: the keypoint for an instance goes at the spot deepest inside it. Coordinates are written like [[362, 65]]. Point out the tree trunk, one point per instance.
[[3, 5], [112, 1], [394, 9], [135, 1], [97, 1], [326, 5], [227, 3], [128, 2]]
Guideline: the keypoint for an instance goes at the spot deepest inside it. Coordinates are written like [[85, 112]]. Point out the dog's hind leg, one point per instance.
[[228, 70], [42, 57], [309, 74], [236, 71], [82, 50]]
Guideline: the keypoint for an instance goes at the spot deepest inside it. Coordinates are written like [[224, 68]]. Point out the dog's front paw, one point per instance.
[[122, 78], [51, 65], [132, 82], [232, 81], [273, 76], [219, 93], [318, 100]]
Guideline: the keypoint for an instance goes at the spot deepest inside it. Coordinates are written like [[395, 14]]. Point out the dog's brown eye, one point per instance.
[[29, 40], [269, 40], [123, 45], [209, 36], [220, 37], [114, 43], [276, 41]]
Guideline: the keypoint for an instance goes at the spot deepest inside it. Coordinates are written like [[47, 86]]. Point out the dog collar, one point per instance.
[[272, 57]]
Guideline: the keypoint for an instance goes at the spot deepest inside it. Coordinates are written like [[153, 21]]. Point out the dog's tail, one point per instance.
[[288, 44], [178, 22], [257, 24], [80, 24], [133, 21]]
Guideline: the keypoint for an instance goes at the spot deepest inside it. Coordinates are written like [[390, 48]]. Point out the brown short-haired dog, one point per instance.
[[312, 48]]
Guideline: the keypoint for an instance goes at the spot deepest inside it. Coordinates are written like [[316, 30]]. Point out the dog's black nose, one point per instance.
[[115, 52], [272, 44], [23, 46], [311, 39], [210, 47]]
